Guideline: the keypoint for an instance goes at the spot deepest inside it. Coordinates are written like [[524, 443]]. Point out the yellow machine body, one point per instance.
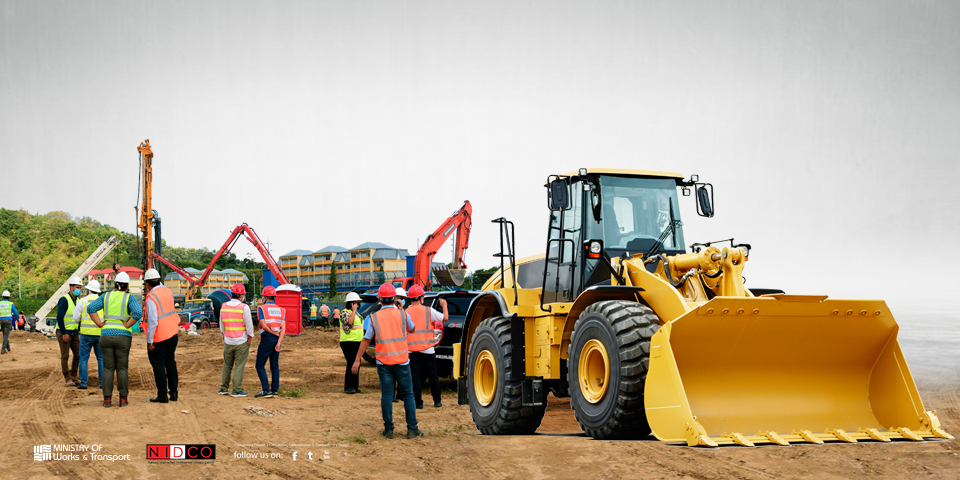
[[725, 367]]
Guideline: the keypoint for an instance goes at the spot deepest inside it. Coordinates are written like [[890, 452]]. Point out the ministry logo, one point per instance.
[[42, 452]]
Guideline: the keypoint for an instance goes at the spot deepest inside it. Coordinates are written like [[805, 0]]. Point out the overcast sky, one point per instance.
[[830, 130]]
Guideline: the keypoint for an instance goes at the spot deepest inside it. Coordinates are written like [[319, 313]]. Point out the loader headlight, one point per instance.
[[594, 248]]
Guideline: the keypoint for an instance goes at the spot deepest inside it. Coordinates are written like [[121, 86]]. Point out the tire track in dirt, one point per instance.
[[49, 398]]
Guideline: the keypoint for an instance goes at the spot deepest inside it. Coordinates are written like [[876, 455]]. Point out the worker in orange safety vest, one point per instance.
[[390, 326], [163, 327], [429, 330], [324, 315], [272, 328]]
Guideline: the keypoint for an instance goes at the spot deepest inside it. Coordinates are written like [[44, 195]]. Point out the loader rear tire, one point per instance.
[[612, 341], [494, 392]]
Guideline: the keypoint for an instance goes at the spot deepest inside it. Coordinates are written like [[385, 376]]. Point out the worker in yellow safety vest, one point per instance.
[[313, 314], [7, 313], [163, 327], [89, 335], [351, 334], [121, 310], [236, 325]]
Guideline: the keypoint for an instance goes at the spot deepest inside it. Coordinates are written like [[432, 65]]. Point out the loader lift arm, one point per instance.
[[460, 222]]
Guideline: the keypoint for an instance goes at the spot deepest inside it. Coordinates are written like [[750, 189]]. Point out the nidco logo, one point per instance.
[[181, 452]]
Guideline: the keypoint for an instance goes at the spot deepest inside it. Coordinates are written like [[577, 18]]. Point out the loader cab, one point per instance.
[[630, 212]]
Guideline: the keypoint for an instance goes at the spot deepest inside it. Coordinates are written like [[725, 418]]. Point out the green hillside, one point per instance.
[[51, 247]]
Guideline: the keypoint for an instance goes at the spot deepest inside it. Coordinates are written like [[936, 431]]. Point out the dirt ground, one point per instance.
[[341, 432]]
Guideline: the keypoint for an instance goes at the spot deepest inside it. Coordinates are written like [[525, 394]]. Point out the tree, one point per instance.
[[333, 280]]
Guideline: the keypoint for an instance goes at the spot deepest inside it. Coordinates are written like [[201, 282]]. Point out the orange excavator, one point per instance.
[[460, 223]]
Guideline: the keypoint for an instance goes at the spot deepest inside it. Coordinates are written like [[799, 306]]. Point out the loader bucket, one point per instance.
[[782, 369], [449, 277]]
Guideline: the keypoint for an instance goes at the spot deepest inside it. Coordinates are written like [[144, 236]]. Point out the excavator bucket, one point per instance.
[[449, 277], [782, 369]]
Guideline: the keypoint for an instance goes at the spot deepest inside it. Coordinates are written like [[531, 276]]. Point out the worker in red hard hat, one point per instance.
[[272, 328], [390, 326], [236, 325], [423, 357]]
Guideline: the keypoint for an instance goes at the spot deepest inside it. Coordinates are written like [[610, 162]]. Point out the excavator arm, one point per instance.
[[250, 235], [460, 222]]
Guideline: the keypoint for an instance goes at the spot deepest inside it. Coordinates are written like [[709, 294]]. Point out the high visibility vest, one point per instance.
[[272, 315], [351, 331], [6, 310], [423, 336], [324, 311], [232, 320], [87, 327], [389, 326], [69, 323], [313, 311], [117, 309], [336, 313], [168, 322]]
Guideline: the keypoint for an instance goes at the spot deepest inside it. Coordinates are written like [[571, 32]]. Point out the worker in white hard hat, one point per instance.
[[8, 312], [163, 327], [68, 335], [89, 335], [351, 334], [121, 310]]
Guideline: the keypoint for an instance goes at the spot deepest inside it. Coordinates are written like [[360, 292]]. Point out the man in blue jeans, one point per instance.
[[89, 334], [390, 326], [272, 328]]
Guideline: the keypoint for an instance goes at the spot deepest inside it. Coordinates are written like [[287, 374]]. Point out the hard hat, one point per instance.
[[121, 277], [93, 286], [401, 292], [386, 291], [268, 291], [6, 294], [352, 297], [238, 288], [416, 291], [152, 274], [75, 281]]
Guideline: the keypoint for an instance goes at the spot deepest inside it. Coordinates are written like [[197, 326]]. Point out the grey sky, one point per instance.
[[831, 130]]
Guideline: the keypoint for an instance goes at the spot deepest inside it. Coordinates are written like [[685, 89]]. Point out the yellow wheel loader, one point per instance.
[[644, 335]]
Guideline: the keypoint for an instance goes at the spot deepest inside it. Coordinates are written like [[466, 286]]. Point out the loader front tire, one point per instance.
[[607, 367], [493, 391]]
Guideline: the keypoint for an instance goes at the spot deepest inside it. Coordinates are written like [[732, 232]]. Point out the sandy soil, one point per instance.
[[37, 410]]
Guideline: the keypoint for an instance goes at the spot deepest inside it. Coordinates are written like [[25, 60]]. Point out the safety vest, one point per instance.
[[69, 323], [87, 327], [313, 311], [232, 320], [6, 310], [168, 322], [423, 336], [351, 331], [336, 313], [324, 311], [389, 326], [117, 308], [272, 315]]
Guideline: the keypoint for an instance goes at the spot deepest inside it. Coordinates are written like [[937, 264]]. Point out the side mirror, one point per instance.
[[557, 194], [705, 200]]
